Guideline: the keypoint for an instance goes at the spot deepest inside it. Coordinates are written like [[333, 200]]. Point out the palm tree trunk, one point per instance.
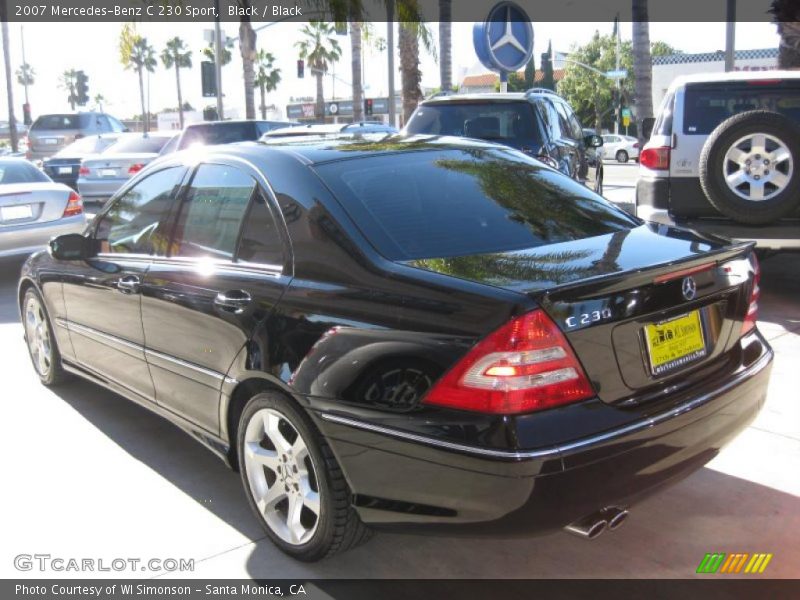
[[247, 46], [410, 75], [445, 45], [263, 101], [12, 124], [145, 116], [180, 96], [320, 106], [786, 13], [642, 66], [358, 92]]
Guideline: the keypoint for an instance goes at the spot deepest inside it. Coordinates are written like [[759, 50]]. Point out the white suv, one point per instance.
[[724, 157]]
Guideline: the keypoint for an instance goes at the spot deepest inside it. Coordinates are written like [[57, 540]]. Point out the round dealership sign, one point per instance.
[[504, 41]]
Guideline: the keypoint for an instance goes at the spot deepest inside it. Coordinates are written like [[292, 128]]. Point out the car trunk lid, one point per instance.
[[117, 166], [23, 203]]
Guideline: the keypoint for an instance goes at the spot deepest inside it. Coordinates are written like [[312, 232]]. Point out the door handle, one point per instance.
[[129, 284], [233, 300]]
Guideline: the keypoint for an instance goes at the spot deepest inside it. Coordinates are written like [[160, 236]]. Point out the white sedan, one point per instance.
[[620, 147], [33, 208]]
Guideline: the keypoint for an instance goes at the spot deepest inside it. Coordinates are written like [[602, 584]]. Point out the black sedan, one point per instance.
[[424, 333]]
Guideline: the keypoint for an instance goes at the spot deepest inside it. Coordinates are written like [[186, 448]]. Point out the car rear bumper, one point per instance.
[[16, 240], [407, 481]]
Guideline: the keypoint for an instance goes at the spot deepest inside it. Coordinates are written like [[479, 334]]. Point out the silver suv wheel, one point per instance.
[[758, 167]]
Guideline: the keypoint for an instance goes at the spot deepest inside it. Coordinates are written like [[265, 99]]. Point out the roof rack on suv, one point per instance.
[[539, 91]]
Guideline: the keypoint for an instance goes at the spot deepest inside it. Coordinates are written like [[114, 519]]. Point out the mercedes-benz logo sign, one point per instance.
[[504, 41], [689, 288], [333, 108]]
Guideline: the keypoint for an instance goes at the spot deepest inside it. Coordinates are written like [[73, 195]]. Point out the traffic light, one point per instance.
[[26, 114], [208, 79], [301, 68], [81, 89], [368, 107]]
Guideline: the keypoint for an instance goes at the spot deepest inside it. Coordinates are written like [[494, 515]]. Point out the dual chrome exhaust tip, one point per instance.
[[591, 526]]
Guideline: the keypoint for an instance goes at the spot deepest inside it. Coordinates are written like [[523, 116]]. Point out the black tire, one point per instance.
[[55, 375], [622, 156], [339, 527], [713, 167]]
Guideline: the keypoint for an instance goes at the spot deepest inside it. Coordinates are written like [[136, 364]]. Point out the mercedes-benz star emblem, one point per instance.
[[508, 37], [689, 288]]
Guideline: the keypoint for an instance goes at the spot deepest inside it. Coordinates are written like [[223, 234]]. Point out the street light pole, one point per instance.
[[730, 35], [390, 48], [218, 62]]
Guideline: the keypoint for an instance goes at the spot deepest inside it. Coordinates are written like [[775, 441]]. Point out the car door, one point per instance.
[[201, 303], [101, 294]]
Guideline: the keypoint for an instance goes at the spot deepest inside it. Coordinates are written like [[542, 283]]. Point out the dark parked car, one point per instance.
[[65, 165], [418, 334], [538, 122], [226, 132]]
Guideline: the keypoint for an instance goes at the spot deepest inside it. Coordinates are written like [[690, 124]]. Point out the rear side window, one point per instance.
[[706, 106], [497, 121], [20, 172], [663, 125], [131, 225], [59, 122], [212, 213], [260, 241], [439, 204]]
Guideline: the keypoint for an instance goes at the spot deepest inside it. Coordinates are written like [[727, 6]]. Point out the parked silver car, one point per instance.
[[101, 175], [33, 208], [50, 133]]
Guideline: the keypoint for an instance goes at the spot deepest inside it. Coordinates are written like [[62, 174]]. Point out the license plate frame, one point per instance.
[[18, 212], [65, 170], [50, 141], [107, 172], [675, 342]]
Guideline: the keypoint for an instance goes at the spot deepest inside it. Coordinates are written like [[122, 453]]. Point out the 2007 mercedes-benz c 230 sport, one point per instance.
[[413, 332]]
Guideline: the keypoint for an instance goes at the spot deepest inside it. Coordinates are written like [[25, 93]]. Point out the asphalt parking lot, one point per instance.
[[89, 474]]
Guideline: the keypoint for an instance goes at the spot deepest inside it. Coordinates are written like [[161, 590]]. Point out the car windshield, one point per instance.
[[89, 145], [509, 122], [60, 122], [20, 172], [446, 203], [150, 144], [224, 133]]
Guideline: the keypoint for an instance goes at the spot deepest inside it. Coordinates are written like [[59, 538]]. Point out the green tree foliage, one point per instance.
[[320, 49], [267, 77], [176, 55]]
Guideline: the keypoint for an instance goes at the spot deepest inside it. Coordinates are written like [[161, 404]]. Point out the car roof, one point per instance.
[[230, 122], [477, 97], [733, 76]]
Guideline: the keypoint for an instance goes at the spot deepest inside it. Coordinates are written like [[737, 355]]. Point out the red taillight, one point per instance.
[[135, 168], [635, 144], [655, 158], [524, 366], [74, 205], [752, 305], [84, 171]]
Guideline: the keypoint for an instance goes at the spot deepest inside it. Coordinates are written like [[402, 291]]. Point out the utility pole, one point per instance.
[[24, 62], [390, 48], [730, 35], [12, 124], [218, 62], [619, 79]]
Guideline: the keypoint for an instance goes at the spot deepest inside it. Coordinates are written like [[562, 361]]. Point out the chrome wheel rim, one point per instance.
[[281, 476], [758, 167], [37, 333]]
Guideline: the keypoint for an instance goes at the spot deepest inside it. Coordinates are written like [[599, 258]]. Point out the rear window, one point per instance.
[[88, 145], [60, 122], [152, 144], [225, 133], [505, 122], [439, 204], [20, 172], [706, 106]]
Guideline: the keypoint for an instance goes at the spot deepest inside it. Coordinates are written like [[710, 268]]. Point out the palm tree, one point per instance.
[[355, 50], [320, 50], [445, 45], [247, 48], [208, 52], [175, 54], [412, 32], [137, 54], [12, 124], [267, 77], [67, 82], [99, 100], [642, 65], [26, 76], [786, 13]]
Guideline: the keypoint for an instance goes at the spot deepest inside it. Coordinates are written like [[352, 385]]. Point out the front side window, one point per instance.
[[132, 224], [212, 213]]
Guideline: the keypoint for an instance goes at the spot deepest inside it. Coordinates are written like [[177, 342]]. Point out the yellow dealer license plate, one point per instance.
[[674, 343]]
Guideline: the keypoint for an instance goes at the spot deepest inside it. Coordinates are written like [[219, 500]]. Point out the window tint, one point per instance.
[[92, 144], [706, 106], [58, 122], [20, 172], [570, 127], [138, 143], [222, 133], [663, 124], [551, 119], [502, 121], [116, 125], [260, 241], [212, 213], [131, 225], [438, 204]]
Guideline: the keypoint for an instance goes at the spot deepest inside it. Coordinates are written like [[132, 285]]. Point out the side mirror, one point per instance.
[[647, 127], [71, 246], [593, 141]]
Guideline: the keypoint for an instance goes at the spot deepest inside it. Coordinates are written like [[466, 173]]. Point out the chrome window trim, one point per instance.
[[197, 262], [561, 449]]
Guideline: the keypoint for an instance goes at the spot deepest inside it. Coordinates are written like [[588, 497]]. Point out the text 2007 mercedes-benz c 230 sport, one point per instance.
[[418, 332]]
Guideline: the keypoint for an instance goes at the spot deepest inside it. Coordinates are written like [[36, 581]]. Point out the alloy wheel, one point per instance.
[[37, 332], [282, 477], [758, 167]]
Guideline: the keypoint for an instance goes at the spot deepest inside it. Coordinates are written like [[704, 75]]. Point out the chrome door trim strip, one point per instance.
[[78, 328], [188, 365], [558, 450]]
